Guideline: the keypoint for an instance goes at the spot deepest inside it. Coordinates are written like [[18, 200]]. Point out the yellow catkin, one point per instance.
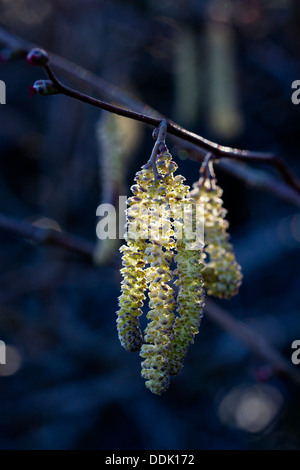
[[222, 273], [133, 285], [190, 299], [162, 220], [159, 255]]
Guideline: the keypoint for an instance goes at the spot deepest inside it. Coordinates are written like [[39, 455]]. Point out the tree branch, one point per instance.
[[219, 151], [290, 192], [253, 340], [259, 179], [47, 236]]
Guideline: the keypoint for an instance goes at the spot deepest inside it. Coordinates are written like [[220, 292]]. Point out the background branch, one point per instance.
[[250, 338], [47, 236], [261, 180]]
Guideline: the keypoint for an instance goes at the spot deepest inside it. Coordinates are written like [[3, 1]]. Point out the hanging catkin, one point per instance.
[[166, 255], [159, 255], [167, 337], [222, 274], [133, 285], [190, 299]]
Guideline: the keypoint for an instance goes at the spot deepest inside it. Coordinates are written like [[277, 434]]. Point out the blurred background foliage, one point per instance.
[[221, 69]]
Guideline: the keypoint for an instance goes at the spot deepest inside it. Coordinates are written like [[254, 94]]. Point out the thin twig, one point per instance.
[[219, 151], [258, 179], [161, 139], [47, 236], [244, 173]]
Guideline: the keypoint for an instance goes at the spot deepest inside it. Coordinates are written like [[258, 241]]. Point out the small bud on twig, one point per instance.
[[37, 57], [43, 87]]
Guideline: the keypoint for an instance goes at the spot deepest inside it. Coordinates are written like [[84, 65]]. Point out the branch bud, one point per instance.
[[37, 57], [43, 87]]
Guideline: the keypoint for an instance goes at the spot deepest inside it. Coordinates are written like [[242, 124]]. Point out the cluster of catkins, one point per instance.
[[162, 258]]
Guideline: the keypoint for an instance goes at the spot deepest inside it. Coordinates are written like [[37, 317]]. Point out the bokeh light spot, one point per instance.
[[250, 409]]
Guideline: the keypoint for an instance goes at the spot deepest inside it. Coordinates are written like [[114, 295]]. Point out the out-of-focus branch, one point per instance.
[[259, 179], [251, 339], [47, 236], [195, 145]]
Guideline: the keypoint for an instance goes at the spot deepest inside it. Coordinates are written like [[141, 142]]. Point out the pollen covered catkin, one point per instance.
[[133, 285], [176, 240], [190, 299], [161, 315], [159, 255], [222, 273], [131, 299]]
